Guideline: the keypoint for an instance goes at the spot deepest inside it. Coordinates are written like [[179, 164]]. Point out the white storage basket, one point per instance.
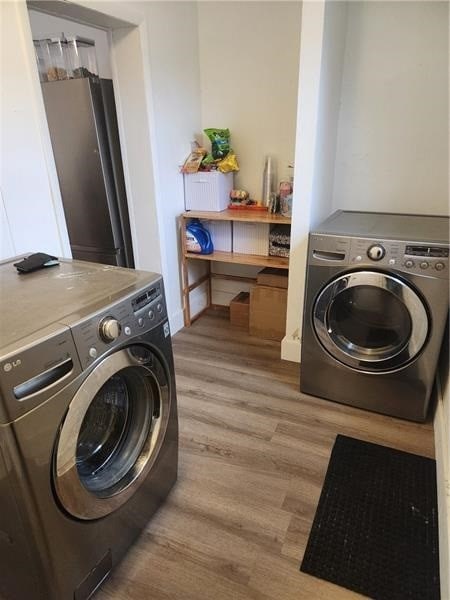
[[221, 234], [209, 191], [251, 238]]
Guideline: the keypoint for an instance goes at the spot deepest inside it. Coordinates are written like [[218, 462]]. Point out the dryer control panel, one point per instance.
[[132, 317], [427, 260], [431, 260]]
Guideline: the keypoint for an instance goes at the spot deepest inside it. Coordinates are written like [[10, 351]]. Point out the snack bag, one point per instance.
[[208, 160], [192, 163], [229, 163], [220, 142]]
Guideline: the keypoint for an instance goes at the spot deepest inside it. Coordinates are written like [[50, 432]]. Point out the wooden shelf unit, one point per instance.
[[253, 216]]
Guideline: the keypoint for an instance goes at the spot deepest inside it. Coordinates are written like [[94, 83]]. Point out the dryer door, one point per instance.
[[112, 433], [371, 321]]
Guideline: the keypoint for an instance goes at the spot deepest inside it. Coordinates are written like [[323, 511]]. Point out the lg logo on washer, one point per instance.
[[9, 366]]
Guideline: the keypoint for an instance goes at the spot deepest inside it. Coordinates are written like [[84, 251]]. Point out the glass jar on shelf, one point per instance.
[[42, 58], [59, 67], [82, 56]]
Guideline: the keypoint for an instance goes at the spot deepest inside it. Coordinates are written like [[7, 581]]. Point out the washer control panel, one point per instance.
[[129, 318], [431, 260]]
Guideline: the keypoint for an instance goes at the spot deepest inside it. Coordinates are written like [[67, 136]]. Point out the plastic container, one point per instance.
[[286, 206], [198, 238], [60, 57], [42, 58], [208, 191], [82, 57], [59, 64]]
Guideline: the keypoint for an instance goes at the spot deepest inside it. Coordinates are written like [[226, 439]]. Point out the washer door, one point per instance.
[[370, 321], [112, 433]]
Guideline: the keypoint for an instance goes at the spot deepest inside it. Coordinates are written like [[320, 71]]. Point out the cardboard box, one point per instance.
[[273, 277], [240, 309], [268, 307]]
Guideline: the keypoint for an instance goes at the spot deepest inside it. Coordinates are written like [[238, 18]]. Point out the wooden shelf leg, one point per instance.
[[185, 275], [209, 291]]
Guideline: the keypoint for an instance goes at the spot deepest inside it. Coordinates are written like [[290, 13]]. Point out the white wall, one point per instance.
[[7, 247], [319, 99], [133, 111], [159, 113], [392, 151], [175, 85], [33, 219], [331, 71], [163, 89], [307, 142], [384, 78], [43, 24], [249, 53]]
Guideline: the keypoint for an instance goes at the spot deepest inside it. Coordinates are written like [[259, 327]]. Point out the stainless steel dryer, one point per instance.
[[376, 305], [88, 423]]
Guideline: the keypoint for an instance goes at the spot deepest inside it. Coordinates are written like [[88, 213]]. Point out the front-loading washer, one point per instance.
[[88, 423], [376, 306]]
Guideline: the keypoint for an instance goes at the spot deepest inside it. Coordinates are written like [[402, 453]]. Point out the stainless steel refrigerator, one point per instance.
[[83, 128]]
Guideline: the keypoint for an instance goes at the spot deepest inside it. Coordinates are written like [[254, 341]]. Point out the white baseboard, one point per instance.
[[290, 349], [442, 450]]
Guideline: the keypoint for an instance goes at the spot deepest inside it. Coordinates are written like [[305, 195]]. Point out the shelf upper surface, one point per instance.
[[278, 262], [255, 216]]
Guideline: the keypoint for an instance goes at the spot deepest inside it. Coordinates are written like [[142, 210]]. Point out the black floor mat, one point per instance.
[[376, 528]]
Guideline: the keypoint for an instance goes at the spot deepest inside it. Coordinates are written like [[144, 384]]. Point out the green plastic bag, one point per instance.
[[220, 142]]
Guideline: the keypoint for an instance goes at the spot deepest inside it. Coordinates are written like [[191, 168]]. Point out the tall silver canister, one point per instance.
[[268, 180]]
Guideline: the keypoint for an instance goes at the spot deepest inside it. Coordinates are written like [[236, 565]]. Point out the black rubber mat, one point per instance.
[[376, 528]]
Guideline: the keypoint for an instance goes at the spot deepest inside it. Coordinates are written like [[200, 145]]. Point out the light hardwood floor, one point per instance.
[[253, 456]]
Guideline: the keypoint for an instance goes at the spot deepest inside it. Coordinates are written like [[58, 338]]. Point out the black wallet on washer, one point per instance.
[[40, 260]]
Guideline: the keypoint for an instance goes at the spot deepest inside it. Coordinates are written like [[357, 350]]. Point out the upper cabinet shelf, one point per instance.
[[255, 216]]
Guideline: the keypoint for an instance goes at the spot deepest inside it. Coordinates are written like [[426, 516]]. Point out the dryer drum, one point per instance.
[[370, 321]]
